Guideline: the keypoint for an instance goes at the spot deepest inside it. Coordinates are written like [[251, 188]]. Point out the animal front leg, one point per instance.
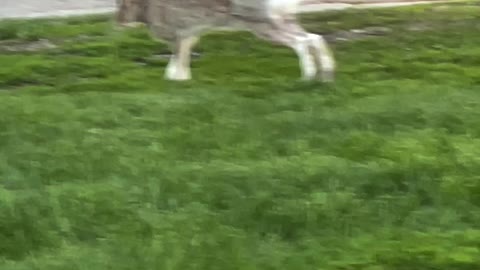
[[324, 57], [171, 69], [178, 68], [321, 51], [299, 44], [307, 63], [286, 25]]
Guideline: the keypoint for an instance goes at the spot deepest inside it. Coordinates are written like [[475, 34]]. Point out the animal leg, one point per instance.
[[171, 69], [178, 68], [324, 56], [301, 47], [322, 53], [299, 44]]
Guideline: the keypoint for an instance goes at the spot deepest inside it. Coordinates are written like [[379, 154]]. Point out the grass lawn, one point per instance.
[[104, 165]]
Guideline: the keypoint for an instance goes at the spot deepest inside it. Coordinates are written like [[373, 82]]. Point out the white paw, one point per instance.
[[176, 74], [309, 70], [327, 76], [327, 73], [171, 69]]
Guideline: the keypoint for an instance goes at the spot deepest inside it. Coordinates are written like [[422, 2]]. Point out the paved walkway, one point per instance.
[[48, 8]]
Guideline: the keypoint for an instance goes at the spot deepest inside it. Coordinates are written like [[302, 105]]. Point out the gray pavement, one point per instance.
[[54, 8], [47, 8]]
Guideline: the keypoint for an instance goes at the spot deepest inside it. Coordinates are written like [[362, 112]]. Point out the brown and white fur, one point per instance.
[[180, 23]]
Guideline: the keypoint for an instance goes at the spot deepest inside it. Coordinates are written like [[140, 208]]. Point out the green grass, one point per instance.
[[104, 165]]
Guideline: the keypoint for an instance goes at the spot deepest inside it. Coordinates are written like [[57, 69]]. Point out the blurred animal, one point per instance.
[[180, 23]]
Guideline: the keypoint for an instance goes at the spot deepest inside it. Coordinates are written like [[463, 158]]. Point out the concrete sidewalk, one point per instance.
[[62, 8], [53, 8]]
